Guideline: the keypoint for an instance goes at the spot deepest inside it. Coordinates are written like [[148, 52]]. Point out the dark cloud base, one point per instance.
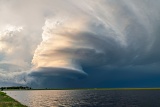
[[108, 77]]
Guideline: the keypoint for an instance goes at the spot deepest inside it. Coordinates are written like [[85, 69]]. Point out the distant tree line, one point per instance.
[[16, 88]]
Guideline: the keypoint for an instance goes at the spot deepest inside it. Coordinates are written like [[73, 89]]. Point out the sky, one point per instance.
[[80, 43]]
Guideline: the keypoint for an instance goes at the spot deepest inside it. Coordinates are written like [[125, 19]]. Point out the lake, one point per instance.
[[87, 98]]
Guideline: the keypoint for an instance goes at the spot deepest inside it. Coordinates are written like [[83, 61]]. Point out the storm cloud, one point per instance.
[[81, 43]]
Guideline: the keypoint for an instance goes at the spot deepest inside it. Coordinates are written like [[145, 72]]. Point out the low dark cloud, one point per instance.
[[51, 71]]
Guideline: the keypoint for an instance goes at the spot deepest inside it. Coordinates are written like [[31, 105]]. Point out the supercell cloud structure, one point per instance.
[[57, 43]]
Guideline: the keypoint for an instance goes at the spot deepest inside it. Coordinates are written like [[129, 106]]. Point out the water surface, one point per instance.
[[88, 98]]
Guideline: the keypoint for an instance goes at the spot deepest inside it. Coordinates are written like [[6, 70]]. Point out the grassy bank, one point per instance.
[[6, 101]]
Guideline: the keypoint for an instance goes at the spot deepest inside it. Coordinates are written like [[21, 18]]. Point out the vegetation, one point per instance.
[[6, 101], [99, 89], [15, 88]]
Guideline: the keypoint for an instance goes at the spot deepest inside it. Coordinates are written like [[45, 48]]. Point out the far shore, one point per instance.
[[102, 89], [84, 89]]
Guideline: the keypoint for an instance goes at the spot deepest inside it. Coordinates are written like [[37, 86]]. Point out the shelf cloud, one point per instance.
[[83, 43]]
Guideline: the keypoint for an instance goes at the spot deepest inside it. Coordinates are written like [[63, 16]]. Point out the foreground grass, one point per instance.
[[6, 101]]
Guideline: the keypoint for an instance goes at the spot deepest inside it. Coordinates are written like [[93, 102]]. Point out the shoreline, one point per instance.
[[7, 101], [84, 89], [104, 89]]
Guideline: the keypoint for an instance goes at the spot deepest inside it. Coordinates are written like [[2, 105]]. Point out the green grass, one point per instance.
[[6, 101]]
